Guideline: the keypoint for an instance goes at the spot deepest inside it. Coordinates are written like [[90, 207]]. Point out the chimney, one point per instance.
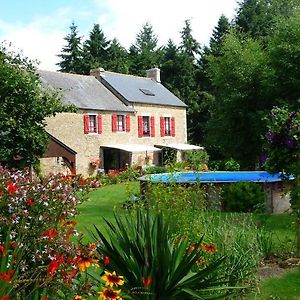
[[154, 74], [97, 72]]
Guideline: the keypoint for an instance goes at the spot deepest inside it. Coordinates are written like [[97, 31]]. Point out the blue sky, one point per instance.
[[37, 27]]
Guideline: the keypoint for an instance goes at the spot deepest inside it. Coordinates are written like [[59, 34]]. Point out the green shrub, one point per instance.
[[243, 197], [157, 266], [154, 170]]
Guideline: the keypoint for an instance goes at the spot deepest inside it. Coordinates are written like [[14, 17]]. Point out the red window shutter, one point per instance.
[[162, 126], [86, 124], [99, 124], [173, 126], [140, 126], [114, 122], [127, 122], [152, 126]]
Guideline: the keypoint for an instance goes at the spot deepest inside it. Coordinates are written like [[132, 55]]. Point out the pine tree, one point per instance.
[[189, 45], [95, 49], [144, 54], [117, 58], [71, 56], [219, 32], [257, 17]]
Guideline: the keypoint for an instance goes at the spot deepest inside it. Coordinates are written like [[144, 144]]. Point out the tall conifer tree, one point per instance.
[[71, 56]]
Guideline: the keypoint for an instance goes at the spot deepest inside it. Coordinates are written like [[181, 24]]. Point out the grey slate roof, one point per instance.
[[85, 92], [130, 88]]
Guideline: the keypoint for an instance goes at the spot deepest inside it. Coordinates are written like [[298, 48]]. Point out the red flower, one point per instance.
[[110, 294], [50, 234], [29, 201], [2, 250], [7, 276], [45, 298], [5, 297], [106, 261], [53, 267], [13, 244], [146, 281], [12, 187], [209, 248]]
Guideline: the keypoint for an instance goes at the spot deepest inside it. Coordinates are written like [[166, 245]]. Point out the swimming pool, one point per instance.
[[215, 177]]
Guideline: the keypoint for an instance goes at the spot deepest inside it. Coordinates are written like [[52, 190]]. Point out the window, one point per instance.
[[146, 126], [167, 126], [147, 92], [120, 123], [167, 123], [92, 123]]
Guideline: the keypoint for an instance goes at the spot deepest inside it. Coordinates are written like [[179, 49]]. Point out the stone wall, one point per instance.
[[69, 129]]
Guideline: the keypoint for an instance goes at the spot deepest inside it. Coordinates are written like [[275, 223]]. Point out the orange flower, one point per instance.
[[85, 262], [106, 261], [112, 278], [77, 297], [7, 276], [146, 281], [209, 248], [12, 187], [69, 232], [70, 223], [110, 294]]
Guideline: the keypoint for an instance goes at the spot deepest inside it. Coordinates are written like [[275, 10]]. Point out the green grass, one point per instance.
[[102, 203], [286, 287]]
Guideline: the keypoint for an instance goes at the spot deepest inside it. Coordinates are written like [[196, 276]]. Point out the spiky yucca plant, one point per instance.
[[155, 265]]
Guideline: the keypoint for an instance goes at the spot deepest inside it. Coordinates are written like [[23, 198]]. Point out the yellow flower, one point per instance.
[[112, 278], [110, 294]]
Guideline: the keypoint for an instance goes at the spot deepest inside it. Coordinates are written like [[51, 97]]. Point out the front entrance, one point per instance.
[[115, 159]]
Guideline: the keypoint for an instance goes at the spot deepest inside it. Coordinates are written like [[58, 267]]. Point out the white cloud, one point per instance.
[[42, 38], [124, 19]]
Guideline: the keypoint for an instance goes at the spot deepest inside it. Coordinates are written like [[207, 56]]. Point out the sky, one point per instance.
[[37, 27]]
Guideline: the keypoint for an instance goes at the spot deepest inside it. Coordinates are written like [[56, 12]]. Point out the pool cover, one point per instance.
[[216, 177]]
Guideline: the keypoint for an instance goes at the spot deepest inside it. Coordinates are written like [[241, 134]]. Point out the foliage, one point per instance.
[[114, 176], [231, 165], [71, 56], [144, 54], [283, 150], [231, 233], [155, 265], [95, 49], [283, 141], [197, 159], [242, 197], [238, 76], [40, 255], [24, 107]]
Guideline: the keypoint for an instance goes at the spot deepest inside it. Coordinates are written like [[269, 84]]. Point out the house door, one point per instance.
[[111, 159]]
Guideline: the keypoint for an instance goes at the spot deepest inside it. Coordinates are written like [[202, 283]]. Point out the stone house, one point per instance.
[[122, 120]]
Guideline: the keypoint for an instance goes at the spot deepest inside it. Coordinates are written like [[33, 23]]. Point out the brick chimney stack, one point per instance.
[[154, 74], [96, 72]]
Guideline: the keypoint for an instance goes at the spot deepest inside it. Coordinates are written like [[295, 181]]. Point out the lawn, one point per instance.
[[104, 201]]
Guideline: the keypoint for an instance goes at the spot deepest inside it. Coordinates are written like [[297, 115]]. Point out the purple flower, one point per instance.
[[290, 143], [270, 136]]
